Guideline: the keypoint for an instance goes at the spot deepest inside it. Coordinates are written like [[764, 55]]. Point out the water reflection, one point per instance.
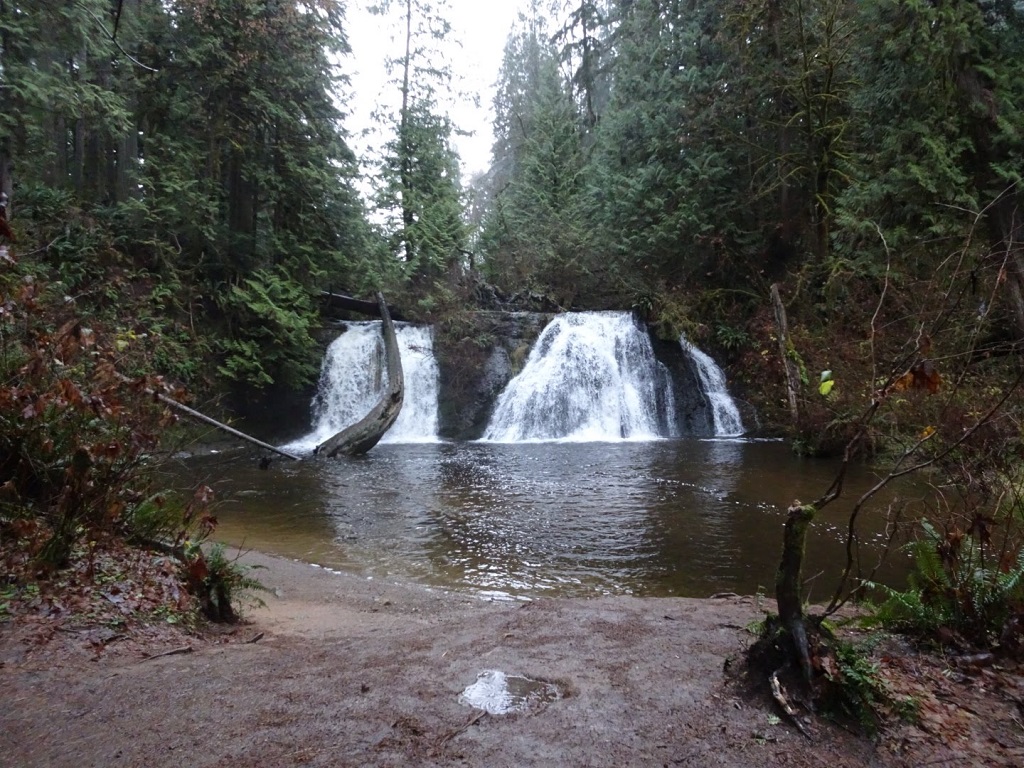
[[686, 517]]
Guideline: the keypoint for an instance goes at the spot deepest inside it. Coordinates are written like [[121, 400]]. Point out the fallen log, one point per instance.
[[367, 432], [340, 301], [192, 413]]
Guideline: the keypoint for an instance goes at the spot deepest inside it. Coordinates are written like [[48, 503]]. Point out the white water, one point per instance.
[[591, 376], [353, 376], [724, 414]]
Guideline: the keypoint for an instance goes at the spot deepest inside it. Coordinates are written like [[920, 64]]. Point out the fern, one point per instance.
[[953, 586]]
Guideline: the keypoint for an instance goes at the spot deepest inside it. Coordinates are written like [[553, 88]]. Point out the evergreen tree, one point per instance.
[[68, 91], [585, 38], [664, 183], [419, 189], [721, 153], [245, 123], [533, 233], [937, 125], [206, 134]]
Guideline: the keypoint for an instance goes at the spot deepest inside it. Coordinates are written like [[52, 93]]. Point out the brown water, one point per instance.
[[673, 517]]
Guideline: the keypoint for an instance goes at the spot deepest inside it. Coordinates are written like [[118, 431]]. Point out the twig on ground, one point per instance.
[[439, 744], [172, 652]]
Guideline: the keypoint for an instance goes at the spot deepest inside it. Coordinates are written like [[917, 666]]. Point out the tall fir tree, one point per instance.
[[533, 233], [419, 190]]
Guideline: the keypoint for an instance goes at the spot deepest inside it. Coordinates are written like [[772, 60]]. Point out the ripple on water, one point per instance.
[[678, 517]]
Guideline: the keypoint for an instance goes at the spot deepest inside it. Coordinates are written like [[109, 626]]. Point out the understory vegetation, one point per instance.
[[81, 432]]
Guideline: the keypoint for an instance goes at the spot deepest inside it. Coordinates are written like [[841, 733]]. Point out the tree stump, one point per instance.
[[788, 592]]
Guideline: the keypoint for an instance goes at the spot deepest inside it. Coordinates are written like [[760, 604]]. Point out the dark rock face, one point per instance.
[[693, 412], [476, 361]]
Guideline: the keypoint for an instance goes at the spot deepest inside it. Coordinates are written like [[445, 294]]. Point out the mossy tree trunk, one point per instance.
[[785, 352], [788, 586]]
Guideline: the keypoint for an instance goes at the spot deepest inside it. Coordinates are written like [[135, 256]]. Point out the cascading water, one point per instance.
[[590, 376], [353, 376], [724, 413]]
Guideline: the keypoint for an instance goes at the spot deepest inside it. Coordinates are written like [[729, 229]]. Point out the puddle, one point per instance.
[[501, 694]]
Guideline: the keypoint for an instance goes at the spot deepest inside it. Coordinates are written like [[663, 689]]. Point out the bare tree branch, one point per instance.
[[113, 39]]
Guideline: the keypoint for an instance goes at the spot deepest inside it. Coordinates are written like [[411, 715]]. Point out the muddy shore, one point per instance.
[[349, 671]]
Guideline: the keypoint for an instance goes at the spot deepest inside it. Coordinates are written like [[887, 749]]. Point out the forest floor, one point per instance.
[[340, 670]]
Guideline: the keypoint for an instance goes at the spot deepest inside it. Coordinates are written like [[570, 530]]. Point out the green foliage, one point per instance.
[[731, 338], [729, 144], [418, 189], [166, 517], [846, 682], [795, 356], [859, 692], [223, 585], [959, 583], [246, 172], [421, 195], [157, 517], [930, 112], [534, 233], [271, 340], [652, 202], [57, 69]]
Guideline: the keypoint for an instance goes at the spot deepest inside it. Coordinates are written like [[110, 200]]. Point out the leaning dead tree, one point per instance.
[[194, 414], [786, 353], [367, 432]]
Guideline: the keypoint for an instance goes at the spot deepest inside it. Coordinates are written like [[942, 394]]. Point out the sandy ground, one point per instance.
[[357, 672]]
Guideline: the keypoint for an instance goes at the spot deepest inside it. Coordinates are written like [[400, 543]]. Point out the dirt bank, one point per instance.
[[357, 672]]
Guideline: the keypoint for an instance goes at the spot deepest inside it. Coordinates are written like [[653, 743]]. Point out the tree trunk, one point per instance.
[[792, 374], [7, 177], [213, 422], [788, 593], [1008, 240], [241, 192], [404, 148], [367, 432]]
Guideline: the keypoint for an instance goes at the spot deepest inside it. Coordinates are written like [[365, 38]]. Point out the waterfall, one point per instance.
[[353, 376], [590, 376], [724, 413]]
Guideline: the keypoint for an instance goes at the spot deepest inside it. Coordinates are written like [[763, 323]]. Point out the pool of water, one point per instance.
[[669, 517]]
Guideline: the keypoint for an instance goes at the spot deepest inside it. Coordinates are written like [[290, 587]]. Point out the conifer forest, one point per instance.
[[827, 197]]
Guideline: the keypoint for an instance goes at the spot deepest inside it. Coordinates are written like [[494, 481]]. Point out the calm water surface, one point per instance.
[[673, 517]]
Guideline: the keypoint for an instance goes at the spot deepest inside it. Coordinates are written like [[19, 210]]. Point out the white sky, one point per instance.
[[481, 26]]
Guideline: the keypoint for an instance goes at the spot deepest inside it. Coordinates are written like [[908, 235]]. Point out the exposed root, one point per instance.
[[779, 694]]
